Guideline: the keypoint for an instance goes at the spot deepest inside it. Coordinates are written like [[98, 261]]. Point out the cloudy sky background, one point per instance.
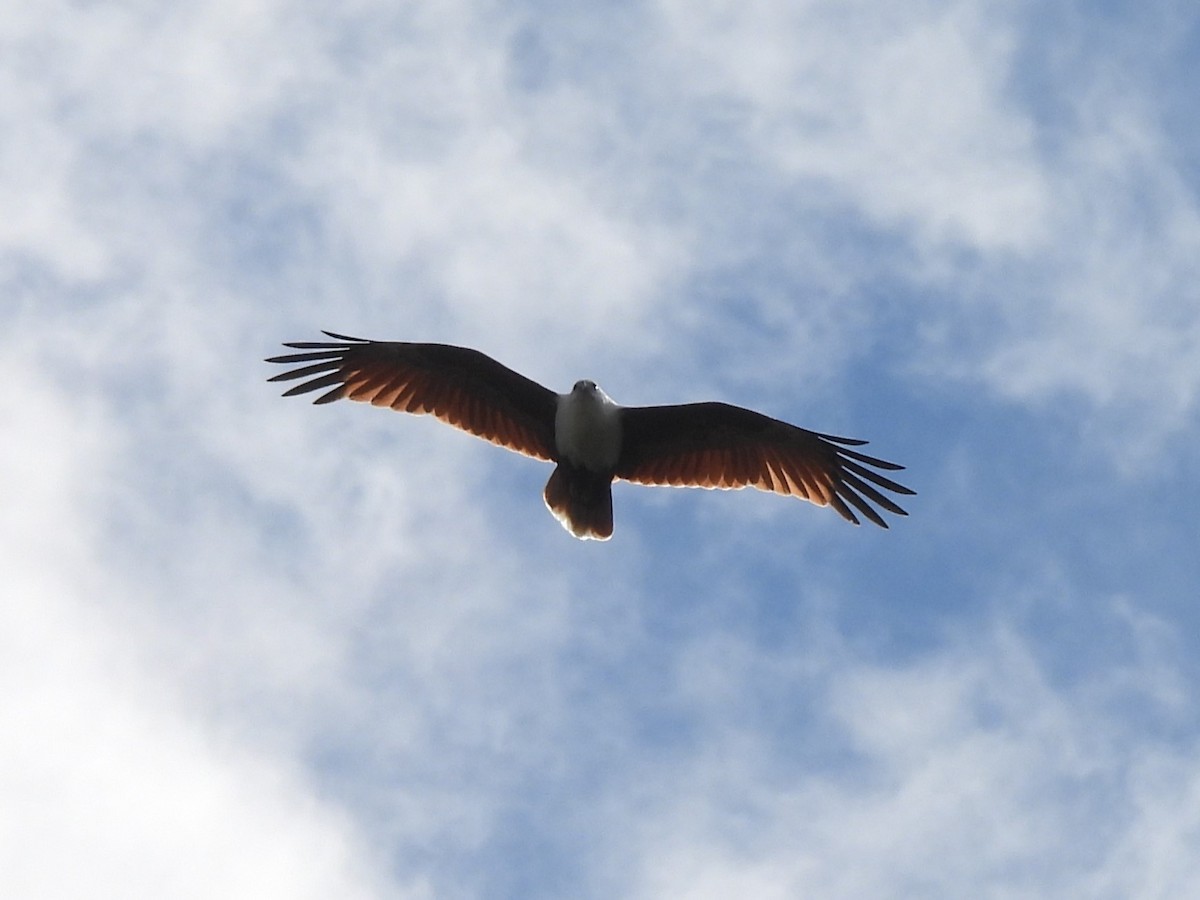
[[249, 648]]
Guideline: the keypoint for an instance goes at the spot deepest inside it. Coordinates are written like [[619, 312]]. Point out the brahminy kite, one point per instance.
[[591, 439]]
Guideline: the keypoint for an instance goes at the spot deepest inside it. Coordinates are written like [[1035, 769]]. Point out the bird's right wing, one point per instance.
[[715, 445], [462, 387]]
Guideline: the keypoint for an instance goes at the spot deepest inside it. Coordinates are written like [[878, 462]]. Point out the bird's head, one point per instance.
[[587, 391]]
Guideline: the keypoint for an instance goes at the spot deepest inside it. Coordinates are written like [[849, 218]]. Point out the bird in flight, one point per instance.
[[591, 439]]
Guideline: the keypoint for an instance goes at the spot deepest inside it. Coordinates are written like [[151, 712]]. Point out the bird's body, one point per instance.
[[587, 436], [592, 439], [587, 427]]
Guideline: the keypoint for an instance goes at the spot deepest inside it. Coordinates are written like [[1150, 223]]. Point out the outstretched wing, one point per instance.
[[715, 445], [462, 387]]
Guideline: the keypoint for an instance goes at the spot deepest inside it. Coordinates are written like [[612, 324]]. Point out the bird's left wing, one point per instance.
[[715, 445], [462, 387]]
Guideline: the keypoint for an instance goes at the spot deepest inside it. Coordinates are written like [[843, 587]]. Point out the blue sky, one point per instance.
[[252, 648]]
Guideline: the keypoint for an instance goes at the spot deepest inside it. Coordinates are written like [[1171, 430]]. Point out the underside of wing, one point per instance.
[[715, 445], [462, 387]]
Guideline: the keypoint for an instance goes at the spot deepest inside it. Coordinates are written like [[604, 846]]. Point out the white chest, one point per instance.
[[587, 429]]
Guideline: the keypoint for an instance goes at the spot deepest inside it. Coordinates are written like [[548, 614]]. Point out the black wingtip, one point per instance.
[[344, 337], [844, 441]]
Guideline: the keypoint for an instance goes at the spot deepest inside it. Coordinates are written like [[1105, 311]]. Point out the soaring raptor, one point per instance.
[[591, 439]]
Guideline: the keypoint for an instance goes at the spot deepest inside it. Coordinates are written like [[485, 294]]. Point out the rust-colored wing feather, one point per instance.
[[715, 445], [462, 387]]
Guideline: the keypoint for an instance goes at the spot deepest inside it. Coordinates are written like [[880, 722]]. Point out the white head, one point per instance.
[[586, 389]]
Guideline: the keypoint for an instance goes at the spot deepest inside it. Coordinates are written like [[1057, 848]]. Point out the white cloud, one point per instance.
[[904, 110], [1115, 317], [505, 247], [1153, 857], [968, 772], [112, 787]]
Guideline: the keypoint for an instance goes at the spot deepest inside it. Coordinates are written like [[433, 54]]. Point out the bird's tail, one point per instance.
[[581, 501]]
